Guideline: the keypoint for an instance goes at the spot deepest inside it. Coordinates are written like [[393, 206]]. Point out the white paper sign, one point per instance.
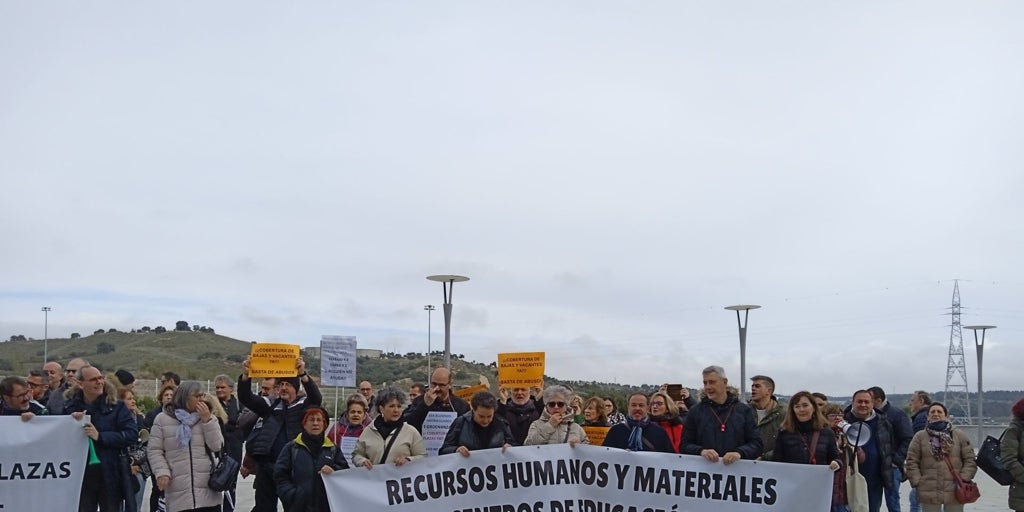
[[435, 427], [347, 446], [338, 361]]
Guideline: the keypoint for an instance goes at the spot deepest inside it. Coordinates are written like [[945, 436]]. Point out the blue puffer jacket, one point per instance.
[[117, 429]]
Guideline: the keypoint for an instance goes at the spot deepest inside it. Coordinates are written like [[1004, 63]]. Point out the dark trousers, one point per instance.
[[155, 498], [266, 488], [229, 500], [94, 492]]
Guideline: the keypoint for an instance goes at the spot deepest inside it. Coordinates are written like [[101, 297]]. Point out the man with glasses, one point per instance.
[[16, 399], [638, 433], [366, 390], [37, 384], [438, 398], [111, 428]]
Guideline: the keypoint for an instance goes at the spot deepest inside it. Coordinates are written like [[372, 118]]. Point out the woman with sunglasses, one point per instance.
[[556, 424]]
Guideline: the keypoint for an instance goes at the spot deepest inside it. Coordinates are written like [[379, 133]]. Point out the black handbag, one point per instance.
[[990, 461], [224, 472]]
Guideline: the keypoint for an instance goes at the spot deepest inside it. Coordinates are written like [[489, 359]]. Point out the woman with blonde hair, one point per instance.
[[182, 433], [665, 413], [593, 413]]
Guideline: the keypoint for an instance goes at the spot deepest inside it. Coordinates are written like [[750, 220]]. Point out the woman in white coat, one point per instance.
[[181, 433]]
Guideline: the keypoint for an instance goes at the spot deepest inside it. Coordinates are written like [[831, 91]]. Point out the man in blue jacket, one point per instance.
[[111, 428], [903, 432], [638, 434]]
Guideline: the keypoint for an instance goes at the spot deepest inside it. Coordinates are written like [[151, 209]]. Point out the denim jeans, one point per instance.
[[914, 505], [892, 494]]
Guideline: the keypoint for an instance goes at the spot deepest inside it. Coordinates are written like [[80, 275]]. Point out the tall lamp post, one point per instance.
[[46, 332], [980, 347], [429, 308], [742, 323], [447, 284]]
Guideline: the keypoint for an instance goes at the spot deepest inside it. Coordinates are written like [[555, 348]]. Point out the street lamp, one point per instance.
[[980, 347], [46, 332], [745, 308], [447, 283], [429, 308]]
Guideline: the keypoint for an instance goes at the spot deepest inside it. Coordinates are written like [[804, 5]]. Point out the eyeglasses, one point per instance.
[[438, 384], [365, 389], [34, 385], [69, 370], [658, 404], [554, 405], [199, 395]]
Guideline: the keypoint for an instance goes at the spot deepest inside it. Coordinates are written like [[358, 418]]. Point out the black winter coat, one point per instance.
[[519, 418], [466, 432], [117, 429], [416, 413], [703, 429], [297, 474], [232, 433], [902, 430], [884, 441], [618, 437], [280, 422], [793, 447]]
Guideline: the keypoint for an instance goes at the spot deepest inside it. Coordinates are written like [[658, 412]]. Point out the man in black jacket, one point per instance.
[[903, 432], [281, 421], [879, 449], [720, 426], [519, 411], [638, 433], [438, 398]]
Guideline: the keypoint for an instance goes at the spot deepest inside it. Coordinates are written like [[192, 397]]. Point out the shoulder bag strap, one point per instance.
[[387, 448], [813, 448], [956, 476]]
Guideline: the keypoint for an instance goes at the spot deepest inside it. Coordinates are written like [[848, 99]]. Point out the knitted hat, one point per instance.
[[124, 377], [296, 382]]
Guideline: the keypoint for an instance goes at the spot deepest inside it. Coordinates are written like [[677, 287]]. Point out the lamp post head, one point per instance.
[[448, 278], [742, 307], [982, 328], [429, 307], [46, 308]]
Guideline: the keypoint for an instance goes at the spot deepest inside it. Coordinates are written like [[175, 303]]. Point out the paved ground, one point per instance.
[[993, 496]]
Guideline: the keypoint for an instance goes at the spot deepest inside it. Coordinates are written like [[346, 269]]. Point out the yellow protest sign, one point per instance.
[[273, 360], [521, 369], [467, 393], [596, 435]]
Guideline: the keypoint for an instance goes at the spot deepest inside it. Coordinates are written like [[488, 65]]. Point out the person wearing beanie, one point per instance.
[[125, 378], [282, 422], [303, 461], [1012, 455]]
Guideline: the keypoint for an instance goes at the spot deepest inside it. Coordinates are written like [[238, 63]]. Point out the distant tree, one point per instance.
[[112, 330], [104, 348], [18, 337], [195, 327], [132, 331], [75, 335], [181, 325], [159, 329], [235, 358], [98, 331]]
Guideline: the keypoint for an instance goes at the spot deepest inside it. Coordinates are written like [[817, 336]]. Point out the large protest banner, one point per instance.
[[41, 463], [557, 478], [273, 360], [338, 361]]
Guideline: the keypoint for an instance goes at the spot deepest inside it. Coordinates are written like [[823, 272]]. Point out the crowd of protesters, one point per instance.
[[283, 437]]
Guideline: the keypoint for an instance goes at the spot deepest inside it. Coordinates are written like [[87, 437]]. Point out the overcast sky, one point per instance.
[[608, 174]]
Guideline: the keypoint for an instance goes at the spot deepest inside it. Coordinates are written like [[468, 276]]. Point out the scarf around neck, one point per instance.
[[187, 421], [386, 427], [636, 435], [940, 438], [314, 443]]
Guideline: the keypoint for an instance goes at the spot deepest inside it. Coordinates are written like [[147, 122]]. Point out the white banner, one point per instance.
[[41, 463], [435, 428], [557, 478], [338, 361]]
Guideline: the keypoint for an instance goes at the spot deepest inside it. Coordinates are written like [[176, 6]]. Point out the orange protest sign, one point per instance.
[[521, 369], [596, 435], [467, 393], [273, 360]]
